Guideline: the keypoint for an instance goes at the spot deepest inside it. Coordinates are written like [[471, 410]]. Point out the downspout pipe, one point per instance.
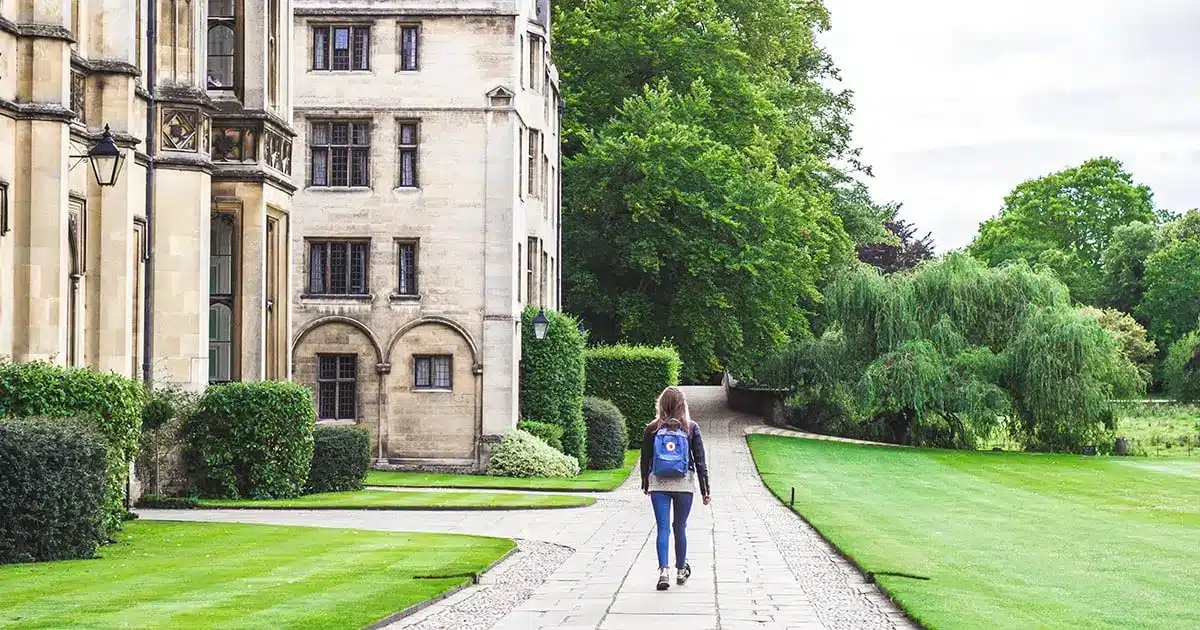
[[151, 114]]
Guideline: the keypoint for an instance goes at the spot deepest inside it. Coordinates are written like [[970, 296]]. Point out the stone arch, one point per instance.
[[339, 319], [428, 423], [427, 320]]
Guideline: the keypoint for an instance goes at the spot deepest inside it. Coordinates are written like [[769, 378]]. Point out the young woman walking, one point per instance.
[[672, 461]]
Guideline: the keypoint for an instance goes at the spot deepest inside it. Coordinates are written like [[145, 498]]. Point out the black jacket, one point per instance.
[[695, 445]]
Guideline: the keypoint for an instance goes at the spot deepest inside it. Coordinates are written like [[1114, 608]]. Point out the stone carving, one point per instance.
[[234, 144], [79, 95], [278, 152], [180, 129], [205, 130]]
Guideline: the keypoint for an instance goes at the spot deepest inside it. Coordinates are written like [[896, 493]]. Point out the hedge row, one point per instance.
[[251, 440], [53, 490], [632, 377], [552, 381], [341, 457], [607, 434], [105, 401]]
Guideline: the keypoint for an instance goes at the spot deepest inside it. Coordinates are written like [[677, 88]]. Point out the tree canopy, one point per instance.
[[1065, 221], [710, 187], [953, 350], [903, 251]]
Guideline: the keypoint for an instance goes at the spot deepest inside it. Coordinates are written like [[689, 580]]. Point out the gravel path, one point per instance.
[[756, 565]]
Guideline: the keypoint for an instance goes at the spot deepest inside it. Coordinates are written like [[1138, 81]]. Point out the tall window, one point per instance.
[[340, 153], [534, 143], [341, 48], [520, 262], [531, 254], [220, 296], [535, 63], [408, 47], [222, 44], [337, 384], [220, 343], [543, 285], [273, 52], [408, 154], [406, 264], [432, 372], [337, 267]]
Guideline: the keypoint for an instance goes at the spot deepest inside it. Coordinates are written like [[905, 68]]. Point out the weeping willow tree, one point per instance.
[[952, 351]]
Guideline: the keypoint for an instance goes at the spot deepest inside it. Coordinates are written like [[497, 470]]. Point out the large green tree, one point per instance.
[[947, 353], [1172, 300], [1065, 221], [710, 184], [678, 236], [1123, 265]]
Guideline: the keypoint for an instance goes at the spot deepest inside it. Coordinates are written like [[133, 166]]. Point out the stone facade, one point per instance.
[[126, 277], [427, 216]]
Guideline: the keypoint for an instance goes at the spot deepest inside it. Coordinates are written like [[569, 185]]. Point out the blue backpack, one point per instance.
[[672, 453]]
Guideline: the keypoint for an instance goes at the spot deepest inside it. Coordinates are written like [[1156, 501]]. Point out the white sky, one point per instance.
[[958, 101]]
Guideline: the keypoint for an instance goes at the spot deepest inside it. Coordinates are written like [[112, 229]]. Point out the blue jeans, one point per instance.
[[662, 502]]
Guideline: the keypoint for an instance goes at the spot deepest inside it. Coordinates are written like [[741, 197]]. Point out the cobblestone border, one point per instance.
[[498, 592], [419, 606], [818, 563]]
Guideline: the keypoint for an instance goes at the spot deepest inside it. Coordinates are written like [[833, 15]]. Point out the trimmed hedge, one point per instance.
[[159, 502], [550, 433], [521, 454], [632, 377], [552, 379], [251, 440], [53, 490], [1181, 370], [105, 401], [608, 436], [341, 457]]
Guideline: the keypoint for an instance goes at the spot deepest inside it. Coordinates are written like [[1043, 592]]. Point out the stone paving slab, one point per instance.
[[755, 563]]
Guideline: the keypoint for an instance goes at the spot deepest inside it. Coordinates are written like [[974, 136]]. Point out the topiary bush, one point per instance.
[[251, 440], [552, 378], [341, 457], [108, 402], [1181, 370], [608, 436], [53, 490], [549, 433], [521, 454], [632, 377]]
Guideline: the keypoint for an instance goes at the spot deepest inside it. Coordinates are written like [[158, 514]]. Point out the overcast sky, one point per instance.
[[958, 102]]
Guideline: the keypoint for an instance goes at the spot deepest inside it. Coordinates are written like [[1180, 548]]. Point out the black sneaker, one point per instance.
[[683, 574], [664, 579]]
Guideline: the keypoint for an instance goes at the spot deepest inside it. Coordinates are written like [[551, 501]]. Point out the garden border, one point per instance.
[[868, 575], [419, 606]]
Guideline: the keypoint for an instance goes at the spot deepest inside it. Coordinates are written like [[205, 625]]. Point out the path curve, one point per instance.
[[756, 565]]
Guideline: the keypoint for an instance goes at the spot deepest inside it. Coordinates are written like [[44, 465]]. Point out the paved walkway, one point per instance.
[[756, 565]]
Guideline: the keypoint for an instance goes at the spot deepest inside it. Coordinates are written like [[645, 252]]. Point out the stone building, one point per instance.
[[178, 270], [427, 216]]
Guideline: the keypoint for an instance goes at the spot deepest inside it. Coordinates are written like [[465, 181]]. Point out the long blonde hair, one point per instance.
[[672, 412]]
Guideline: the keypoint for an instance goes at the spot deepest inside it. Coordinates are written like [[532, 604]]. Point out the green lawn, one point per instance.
[[1154, 429], [587, 481], [401, 500], [1161, 430], [200, 575], [1006, 540]]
